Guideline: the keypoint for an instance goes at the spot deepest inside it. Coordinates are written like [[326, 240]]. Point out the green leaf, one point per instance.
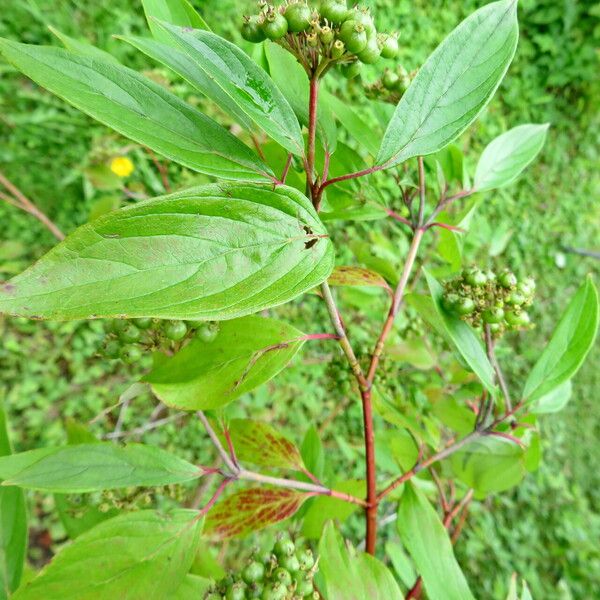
[[192, 587], [354, 124], [243, 81], [428, 543], [213, 252], [345, 574], [467, 343], [292, 80], [246, 353], [504, 159], [313, 453], [553, 401], [135, 555], [401, 563], [323, 508], [13, 524], [489, 464], [261, 444], [454, 85], [139, 109], [571, 341], [454, 415], [91, 467], [82, 47], [177, 12], [250, 510], [189, 70]]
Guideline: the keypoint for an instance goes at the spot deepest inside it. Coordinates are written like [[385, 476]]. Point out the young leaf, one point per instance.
[[505, 158], [291, 79], [138, 109], [178, 12], [90, 467], [491, 464], [246, 353], [345, 574], [454, 85], [82, 47], [250, 510], [324, 508], [262, 444], [189, 70], [553, 401], [357, 276], [428, 543], [463, 337], [243, 81], [135, 555], [213, 252], [13, 524], [571, 341]]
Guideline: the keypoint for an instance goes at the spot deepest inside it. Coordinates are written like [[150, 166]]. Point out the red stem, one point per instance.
[[371, 510], [286, 168], [312, 130], [348, 176]]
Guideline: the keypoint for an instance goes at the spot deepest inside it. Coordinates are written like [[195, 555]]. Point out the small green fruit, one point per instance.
[[131, 354], [476, 278], [252, 30], [274, 591], [112, 349], [306, 560], [507, 279], [371, 53], [237, 591], [334, 11], [351, 70], [175, 330], [291, 563], [465, 306], [130, 334], [284, 547], [326, 34], [363, 16], [493, 315], [143, 323], [518, 319], [389, 46], [298, 17], [354, 36], [275, 25], [516, 299], [253, 572], [304, 587], [390, 80], [207, 332], [283, 576], [338, 49]]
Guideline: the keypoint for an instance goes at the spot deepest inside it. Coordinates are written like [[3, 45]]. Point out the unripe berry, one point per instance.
[[304, 587], [326, 34], [298, 17], [129, 334], [338, 49], [207, 332], [465, 306], [354, 36], [389, 46], [175, 330], [275, 25], [526, 287], [116, 325], [507, 279], [351, 70], [518, 319], [306, 560], [493, 315], [516, 299], [390, 80], [252, 30], [131, 354], [334, 11], [112, 349], [253, 572], [475, 277], [284, 547], [274, 591], [363, 16], [143, 323], [237, 591], [283, 576], [449, 302], [312, 39], [371, 53], [291, 563]]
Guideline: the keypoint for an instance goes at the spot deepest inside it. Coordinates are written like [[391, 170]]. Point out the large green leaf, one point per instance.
[[246, 353], [214, 252], [553, 401], [291, 79], [252, 509], [428, 543], [178, 12], [90, 467], [454, 85], [188, 69], [506, 157], [133, 556], [139, 109], [243, 81], [345, 574], [571, 341], [13, 524], [489, 464], [82, 47], [463, 337], [262, 444]]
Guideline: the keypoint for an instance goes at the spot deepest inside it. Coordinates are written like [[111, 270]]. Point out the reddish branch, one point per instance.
[[21, 201]]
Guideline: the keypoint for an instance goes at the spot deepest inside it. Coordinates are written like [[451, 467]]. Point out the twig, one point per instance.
[[491, 352], [217, 442], [28, 206], [144, 428]]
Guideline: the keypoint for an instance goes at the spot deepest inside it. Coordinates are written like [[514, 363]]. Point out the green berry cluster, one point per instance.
[[497, 300], [128, 338], [327, 34], [391, 86], [284, 574]]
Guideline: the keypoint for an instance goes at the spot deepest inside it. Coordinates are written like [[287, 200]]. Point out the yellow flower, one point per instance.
[[121, 166]]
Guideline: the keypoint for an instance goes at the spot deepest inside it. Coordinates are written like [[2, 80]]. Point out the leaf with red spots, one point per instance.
[[251, 510], [263, 445], [357, 276]]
